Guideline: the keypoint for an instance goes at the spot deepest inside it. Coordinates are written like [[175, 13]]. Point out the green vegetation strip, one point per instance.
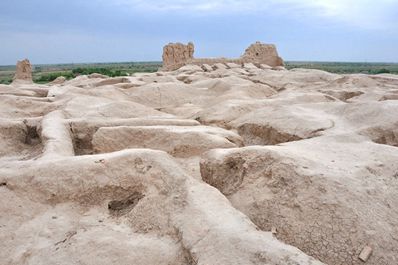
[[47, 73], [347, 68]]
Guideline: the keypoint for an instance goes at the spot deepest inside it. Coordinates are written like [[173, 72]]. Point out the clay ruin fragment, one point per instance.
[[259, 53], [23, 72], [176, 55]]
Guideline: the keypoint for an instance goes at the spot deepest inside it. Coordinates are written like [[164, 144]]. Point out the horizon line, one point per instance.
[[160, 62]]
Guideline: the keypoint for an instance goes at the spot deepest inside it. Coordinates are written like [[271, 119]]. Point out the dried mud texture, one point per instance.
[[176, 140], [209, 164], [329, 215]]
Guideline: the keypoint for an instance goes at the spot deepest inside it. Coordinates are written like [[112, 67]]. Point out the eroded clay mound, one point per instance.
[[152, 168], [280, 124], [325, 212], [176, 140]]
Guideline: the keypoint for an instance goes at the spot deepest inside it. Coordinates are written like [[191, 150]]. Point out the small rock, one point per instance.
[[207, 68], [57, 81], [96, 75], [265, 67], [279, 68], [219, 66], [365, 253], [249, 66], [233, 65]]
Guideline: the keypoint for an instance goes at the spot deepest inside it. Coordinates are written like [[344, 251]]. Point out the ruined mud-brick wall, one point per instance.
[[23, 71], [176, 55], [259, 53]]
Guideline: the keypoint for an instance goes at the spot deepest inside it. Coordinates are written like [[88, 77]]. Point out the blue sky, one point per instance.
[[66, 31]]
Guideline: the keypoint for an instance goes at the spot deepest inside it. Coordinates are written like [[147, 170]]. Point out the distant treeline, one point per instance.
[[47, 73], [48, 77], [347, 68], [111, 70]]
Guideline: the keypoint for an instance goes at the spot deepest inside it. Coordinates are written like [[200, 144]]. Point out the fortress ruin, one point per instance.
[[176, 55]]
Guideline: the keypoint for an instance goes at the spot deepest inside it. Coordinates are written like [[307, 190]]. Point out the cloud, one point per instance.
[[368, 14], [362, 13]]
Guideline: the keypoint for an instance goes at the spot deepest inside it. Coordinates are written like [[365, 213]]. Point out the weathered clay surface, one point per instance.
[[219, 163], [277, 187], [176, 140]]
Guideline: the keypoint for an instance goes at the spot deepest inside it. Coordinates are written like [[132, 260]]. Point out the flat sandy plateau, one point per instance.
[[233, 165]]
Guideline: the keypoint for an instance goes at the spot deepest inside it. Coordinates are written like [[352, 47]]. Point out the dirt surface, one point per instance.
[[220, 164]]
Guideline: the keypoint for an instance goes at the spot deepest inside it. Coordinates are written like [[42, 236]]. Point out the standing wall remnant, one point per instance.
[[23, 71], [176, 55], [260, 53]]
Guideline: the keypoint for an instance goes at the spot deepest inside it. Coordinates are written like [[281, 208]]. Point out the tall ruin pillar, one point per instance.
[[23, 72], [260, 53], [176, 55]]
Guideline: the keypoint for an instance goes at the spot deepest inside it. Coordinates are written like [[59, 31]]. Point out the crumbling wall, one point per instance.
[[23, 71], [260, 53], [176, 55]]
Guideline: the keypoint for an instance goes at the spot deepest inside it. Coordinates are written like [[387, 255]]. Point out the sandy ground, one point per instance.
[[233, 165]]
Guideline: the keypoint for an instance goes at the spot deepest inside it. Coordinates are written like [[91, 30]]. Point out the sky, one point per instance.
[[76, 31]]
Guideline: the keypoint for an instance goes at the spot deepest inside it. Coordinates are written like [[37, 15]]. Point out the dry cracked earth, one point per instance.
[[235, 165]]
